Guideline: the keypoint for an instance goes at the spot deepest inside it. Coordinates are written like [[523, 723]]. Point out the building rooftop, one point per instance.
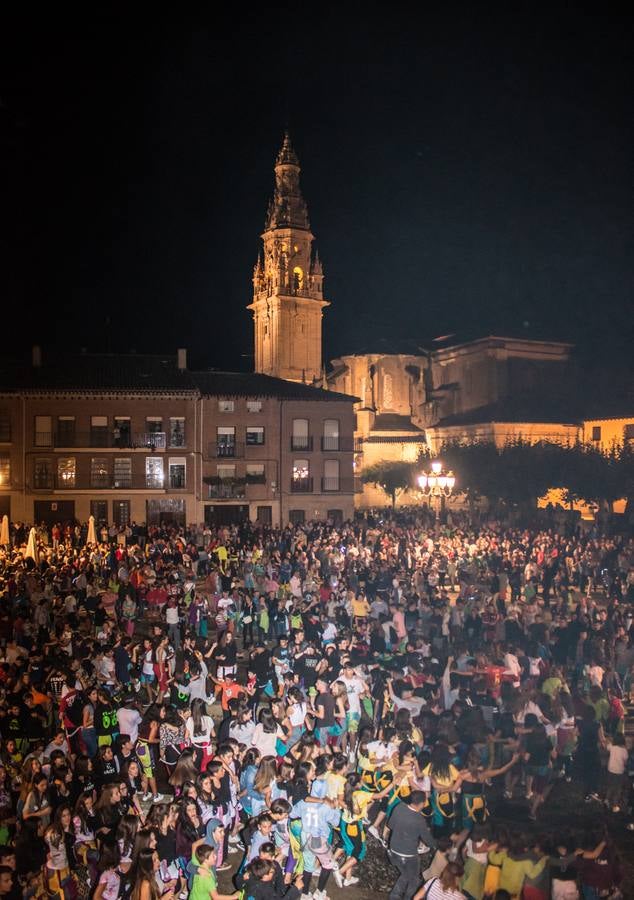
[[239, 384], [118, 372], [146, 373], [393, 422], [520, 410], [424, 345]]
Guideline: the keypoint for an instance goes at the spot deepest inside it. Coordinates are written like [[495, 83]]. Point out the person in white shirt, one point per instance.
[[129, 719], [512, 665], [617, 767], [357, 689]]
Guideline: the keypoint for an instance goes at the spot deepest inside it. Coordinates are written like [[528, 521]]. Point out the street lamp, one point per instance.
[[437, 483]]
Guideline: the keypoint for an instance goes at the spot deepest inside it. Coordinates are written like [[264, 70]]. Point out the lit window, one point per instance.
[[301, 469], [154, 476], [255, 434], [66, 471], [226, 406], [254, 406], [5, 471]]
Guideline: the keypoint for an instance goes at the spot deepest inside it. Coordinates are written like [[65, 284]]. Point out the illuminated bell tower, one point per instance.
[[287, 283]]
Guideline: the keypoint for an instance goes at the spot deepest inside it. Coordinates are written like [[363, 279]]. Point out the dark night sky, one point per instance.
[[464, 172]]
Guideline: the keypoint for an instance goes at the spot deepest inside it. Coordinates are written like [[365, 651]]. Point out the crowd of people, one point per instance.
[[261, 707]]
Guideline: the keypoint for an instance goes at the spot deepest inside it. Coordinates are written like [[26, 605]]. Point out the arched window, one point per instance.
[[298, 278]]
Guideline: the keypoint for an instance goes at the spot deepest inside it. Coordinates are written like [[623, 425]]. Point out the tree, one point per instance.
[[392, 476]]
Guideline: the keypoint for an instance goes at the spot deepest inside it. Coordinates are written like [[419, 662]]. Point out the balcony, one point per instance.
[[45, 482], [337, 485], [302, 442], [336, 444], [225, 488], [222, 450], [105, 439], [301, 485]]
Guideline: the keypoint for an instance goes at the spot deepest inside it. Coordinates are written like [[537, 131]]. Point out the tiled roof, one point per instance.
[[239, 384], [512, 411], [145, 373], [393, 422], [118, 372]]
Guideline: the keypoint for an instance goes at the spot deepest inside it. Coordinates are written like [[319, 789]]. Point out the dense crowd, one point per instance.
[[269, 704]]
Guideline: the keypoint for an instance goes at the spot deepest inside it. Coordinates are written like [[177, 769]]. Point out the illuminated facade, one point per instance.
[[494, 388], [288, 283]]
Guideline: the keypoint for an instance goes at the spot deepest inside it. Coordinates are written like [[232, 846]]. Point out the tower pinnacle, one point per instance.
[[287, 209], [287, 156]]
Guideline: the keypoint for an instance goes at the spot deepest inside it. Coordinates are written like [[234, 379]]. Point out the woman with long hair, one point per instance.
[[107, 810], [144, 881], [443, 779], [37, 810], [184, 770], [445, 887], [85, 821], [263, 785], [126, 837], [59, 841], [109, 884], [265, 733], [190, 829], [250, 765], [355, 804], [162, 818], [161, 670], [200, 730], [172, 738], [224, 654], [146, 750], [474, 778]]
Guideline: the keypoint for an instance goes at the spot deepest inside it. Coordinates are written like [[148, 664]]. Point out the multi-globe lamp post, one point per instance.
[[437, 484]]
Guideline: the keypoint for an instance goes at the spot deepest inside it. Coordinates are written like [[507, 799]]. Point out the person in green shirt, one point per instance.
[[516, 865], [205, 883]]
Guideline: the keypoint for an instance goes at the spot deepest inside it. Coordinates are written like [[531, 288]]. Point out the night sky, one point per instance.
[[464, 172]]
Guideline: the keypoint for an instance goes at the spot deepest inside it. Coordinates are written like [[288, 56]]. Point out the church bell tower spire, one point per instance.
[[288, 285]]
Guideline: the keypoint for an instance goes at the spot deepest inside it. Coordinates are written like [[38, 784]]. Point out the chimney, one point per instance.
[[182, 359], [36, 356]]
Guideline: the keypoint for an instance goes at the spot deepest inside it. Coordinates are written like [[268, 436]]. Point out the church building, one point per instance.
[[491, 387]]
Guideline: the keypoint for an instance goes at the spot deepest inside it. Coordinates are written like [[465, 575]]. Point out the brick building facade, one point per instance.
[[142, 438]]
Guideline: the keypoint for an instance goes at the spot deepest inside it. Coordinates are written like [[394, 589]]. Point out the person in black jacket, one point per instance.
[[259, 882]]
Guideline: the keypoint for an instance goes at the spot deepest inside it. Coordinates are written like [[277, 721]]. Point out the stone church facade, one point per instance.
[[491, 388]]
